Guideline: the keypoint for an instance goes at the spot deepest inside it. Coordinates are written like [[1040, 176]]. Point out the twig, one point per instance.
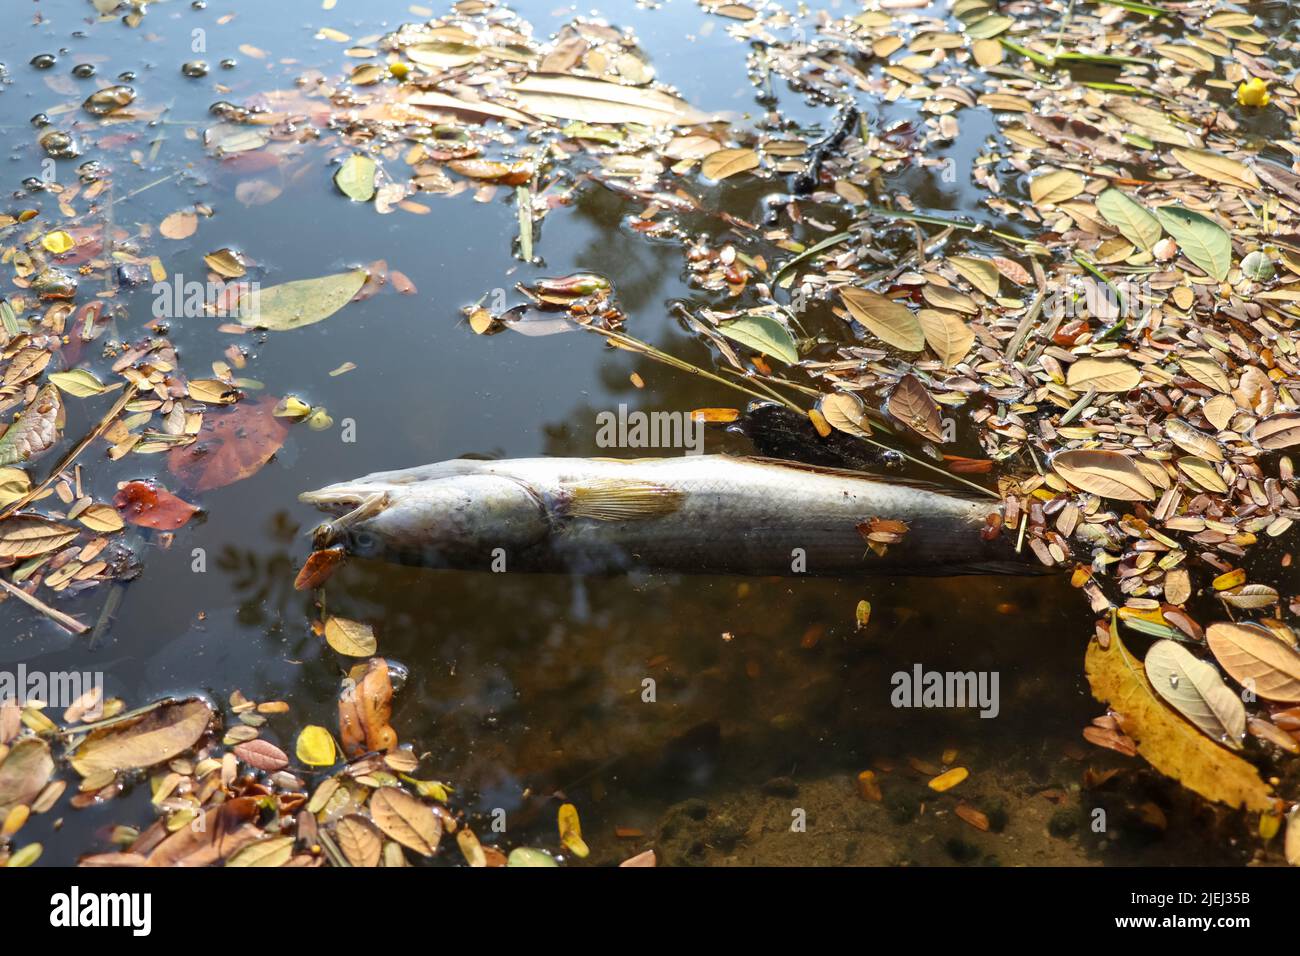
[[69, 458], [58, 617]]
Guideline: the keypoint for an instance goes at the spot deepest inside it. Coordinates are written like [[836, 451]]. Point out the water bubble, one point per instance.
[[108, 100], [83, 70], [195, 68], [59, 145], [229, 63], [127, 76], [1173, 681], [39, 120], [43, 61]]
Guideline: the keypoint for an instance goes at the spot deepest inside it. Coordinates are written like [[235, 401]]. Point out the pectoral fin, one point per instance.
[[619, 499]]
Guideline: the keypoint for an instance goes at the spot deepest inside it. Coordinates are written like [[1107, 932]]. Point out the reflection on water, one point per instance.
[[765, 696]]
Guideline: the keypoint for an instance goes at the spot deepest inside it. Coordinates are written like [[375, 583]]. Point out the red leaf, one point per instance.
[[261, 755], [318, 568], [231, 446], [152, 506]]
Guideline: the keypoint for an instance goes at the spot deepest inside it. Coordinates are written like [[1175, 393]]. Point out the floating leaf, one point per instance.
[[25, 536], [1131, 219], [1055, 187], [1201, 239], [1169, 743], [274, 852], [844, 411], [948, 780], [566, 96], [728, 162], [1205, 368], [350, 638], [226, 263], [315, 747], [1105, 473], [980, 273], [1203, 474], [101, 518], [948, 336], [889, 321], [1195, 690], [356, 178], [149, 505], [1256, 659], [231, 446], [1279, 431], [36, 429], [1193, 441], [764, 334], [1104, 374], [365, 709], [1217, 168], [292, 305], [79, 383], [156, 736], [571, 830], [359, 840], [261, 755], [406, 819], [180, 224], [527, 856], [24, 772], [914, 407]]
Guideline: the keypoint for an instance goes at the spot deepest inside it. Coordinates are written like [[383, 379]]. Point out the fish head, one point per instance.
[[459, 521]]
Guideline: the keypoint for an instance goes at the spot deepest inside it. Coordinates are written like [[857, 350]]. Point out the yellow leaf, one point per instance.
[[315, 747], [1105, 473], [571, 830], [728, 162], [1169, 743], [1055, 187], [58, 242], [946, 781], [350, 638]]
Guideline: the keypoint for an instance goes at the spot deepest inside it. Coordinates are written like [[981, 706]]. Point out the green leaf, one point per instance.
[[292, 305], [1201, 239], [1131, 219], [989, 27], [80, 384], [764, 334], [356, 178]]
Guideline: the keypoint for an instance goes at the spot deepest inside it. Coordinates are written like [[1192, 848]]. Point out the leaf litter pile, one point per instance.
[[1113, 331]]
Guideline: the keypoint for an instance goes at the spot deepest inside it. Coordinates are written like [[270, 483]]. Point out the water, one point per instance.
[[768, 702]]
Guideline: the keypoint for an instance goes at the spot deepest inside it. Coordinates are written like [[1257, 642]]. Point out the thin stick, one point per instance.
[[69, 458], [58, 617]]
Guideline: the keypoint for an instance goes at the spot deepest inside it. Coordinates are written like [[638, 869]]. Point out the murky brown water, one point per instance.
[[520, 684]]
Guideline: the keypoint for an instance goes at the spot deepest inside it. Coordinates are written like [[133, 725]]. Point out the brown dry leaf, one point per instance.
[[231, 446], [365, 709], [1108, 474], [360, 842], [1216, 167], [26, 536], [160, 734], [1192, 441], [350, 638], [1204, 368], [980, 273], [1104, 374], [1195, 690], [406, 819], [1279, 431], [36, 429], [845, 412], [913, 406], [23, 773], [226, 829], [318, 568], [886, 319], [1256, 659], [723, 163], [1055, 187], [180, 224], [261, 755], [1169, 743]]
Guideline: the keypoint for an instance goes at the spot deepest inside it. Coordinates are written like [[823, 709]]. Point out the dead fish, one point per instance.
[[708, 514]]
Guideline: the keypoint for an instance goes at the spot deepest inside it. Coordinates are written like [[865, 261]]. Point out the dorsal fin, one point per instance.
[[901, 480]]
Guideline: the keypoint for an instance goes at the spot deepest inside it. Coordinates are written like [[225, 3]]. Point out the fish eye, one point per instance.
[[365, 543]]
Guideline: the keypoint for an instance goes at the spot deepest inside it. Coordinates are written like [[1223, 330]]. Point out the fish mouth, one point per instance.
[[338, 499]]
